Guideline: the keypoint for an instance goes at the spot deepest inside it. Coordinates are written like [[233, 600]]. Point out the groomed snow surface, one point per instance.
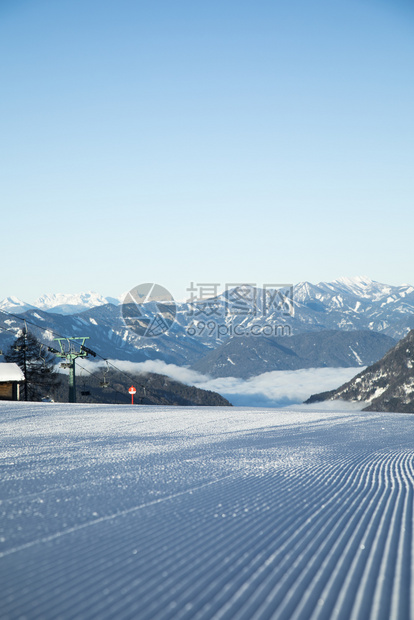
[[168, 512]]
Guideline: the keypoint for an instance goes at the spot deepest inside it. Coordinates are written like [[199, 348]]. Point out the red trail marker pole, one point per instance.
[[132, 391]]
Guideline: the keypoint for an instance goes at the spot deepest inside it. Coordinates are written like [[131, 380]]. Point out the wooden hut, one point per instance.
[[10, 379]]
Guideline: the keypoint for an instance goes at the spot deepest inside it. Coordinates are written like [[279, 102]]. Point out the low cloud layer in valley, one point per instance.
[[271, 389]]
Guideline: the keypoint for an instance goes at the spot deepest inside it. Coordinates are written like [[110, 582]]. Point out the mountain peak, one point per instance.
[[355, 281], [14, 304], [362, 286]]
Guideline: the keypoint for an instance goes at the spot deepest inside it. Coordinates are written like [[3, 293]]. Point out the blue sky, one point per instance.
[[186, 141]]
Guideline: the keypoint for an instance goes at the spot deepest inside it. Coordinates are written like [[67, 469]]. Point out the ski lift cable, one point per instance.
[[16, 316], [91, 373], [45, 329], [57, 334], [8, 329], [108, 363], [41, 356]]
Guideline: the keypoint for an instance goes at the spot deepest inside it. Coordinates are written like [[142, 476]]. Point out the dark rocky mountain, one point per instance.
[[387, 385], [152, 389], [250, 356]]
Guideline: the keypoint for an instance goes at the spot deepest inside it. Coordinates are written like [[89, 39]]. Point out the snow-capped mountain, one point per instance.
[[362, 286], [61, 299], [346, 304], [64, 303], [15, 305], [355, 303], [344, 289], [61, 303]]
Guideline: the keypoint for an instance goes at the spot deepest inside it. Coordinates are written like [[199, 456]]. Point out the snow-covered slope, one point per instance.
[[172, 513]]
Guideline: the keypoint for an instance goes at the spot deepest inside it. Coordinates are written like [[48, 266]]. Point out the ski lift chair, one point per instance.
[[104, 383], [84, 390]]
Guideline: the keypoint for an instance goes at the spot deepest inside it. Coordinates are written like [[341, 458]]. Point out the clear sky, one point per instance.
[[223, 141]]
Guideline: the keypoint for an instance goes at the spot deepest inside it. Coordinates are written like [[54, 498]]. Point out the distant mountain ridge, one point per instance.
[[61, 303], [356, 303], [387, 385], [344, 305]]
